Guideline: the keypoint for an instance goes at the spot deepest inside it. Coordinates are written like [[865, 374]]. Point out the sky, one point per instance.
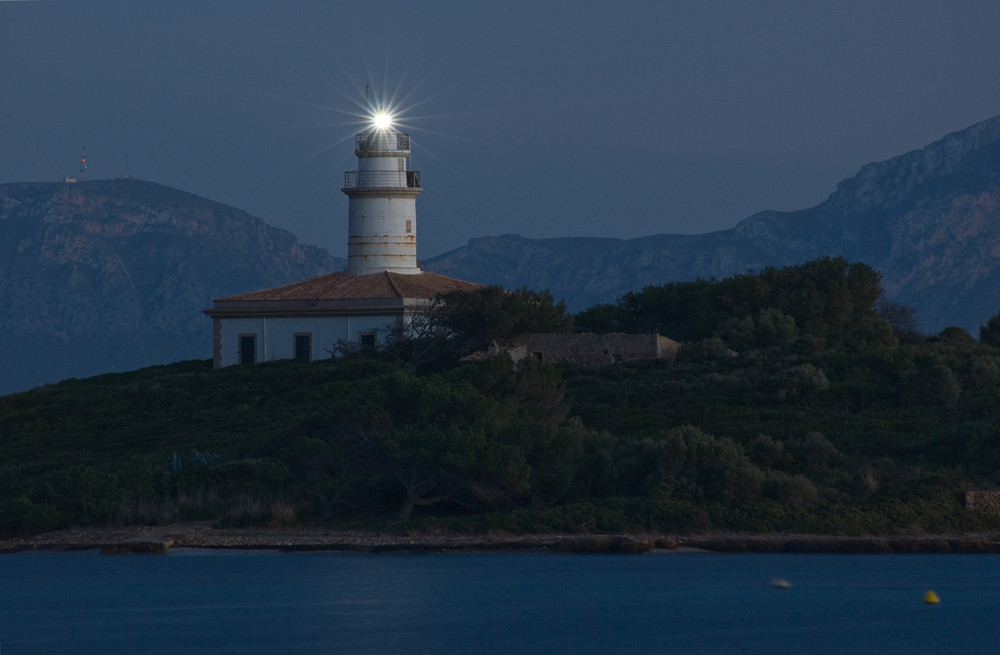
[[545, 119]]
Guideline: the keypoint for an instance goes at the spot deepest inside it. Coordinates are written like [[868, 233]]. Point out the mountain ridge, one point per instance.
[[927, 220], [108, 275]]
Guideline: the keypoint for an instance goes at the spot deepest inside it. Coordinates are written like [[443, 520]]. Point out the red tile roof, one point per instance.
[[341, 294], [340, 286]]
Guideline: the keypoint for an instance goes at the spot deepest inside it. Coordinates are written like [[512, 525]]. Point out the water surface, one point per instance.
[[255, 602]]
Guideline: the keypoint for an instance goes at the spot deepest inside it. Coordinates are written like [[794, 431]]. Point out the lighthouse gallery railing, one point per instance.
[[382, 180]]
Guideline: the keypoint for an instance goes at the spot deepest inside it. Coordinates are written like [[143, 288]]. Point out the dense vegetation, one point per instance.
[[800, 401]]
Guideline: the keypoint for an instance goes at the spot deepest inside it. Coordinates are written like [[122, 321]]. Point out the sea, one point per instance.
[[255, 602]]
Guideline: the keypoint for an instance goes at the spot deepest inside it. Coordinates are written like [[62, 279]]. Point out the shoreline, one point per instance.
[[161, 539]]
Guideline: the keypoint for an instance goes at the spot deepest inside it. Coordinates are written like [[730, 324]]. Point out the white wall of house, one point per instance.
[[277, 338]]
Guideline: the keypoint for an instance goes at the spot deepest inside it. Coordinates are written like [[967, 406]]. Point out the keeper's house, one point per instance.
[[307, 319]]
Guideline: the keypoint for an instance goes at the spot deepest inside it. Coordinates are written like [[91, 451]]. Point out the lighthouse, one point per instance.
[[381, 290], [382, 218]]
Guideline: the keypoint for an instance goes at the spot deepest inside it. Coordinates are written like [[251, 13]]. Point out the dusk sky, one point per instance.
[[584, 118]]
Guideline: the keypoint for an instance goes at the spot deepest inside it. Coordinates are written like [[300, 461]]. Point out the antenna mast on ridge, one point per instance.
[[83, 165]]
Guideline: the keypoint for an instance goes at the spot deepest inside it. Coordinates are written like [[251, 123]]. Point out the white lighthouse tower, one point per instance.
[[382, 219]]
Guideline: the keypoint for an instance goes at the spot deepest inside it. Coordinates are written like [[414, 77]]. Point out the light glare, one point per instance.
[[382, 120]]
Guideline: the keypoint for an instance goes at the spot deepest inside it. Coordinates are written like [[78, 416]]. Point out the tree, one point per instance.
[[825, 298], [445, 445], [331, 458], [452, 463], [902, 318], [600, 319], [493, 314], [462, 322], [990, 333]]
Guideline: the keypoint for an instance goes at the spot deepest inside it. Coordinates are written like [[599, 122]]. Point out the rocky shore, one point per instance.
[[159, 539]]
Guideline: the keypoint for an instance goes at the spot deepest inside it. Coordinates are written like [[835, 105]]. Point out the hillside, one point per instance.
[[928, 221], [112, 275], [794, 406]]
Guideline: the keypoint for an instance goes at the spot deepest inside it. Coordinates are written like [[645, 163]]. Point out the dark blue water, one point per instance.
[[267, 602]]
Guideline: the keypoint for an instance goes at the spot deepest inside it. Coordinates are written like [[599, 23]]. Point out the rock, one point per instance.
[[606, 544], [138, 546]]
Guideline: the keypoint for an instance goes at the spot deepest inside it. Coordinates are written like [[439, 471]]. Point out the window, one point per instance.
[[400, 164], [367, 339], [303, 346], [248, 348], [409, 226]]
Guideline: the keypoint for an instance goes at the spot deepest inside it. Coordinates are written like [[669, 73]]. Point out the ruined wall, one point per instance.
[[597, 349], [987, 501]]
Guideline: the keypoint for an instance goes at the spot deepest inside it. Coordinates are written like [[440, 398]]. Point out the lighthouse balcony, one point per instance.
[[362, 180], [381, 141]]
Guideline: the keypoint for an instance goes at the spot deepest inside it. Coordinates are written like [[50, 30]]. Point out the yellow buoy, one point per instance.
[[931, 598]]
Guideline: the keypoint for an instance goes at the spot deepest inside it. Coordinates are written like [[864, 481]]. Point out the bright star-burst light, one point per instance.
[[376, 111], [382, 119], [382, 109]]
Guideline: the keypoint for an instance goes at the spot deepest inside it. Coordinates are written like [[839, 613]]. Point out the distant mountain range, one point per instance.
[[113, 275], [928, 221]]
